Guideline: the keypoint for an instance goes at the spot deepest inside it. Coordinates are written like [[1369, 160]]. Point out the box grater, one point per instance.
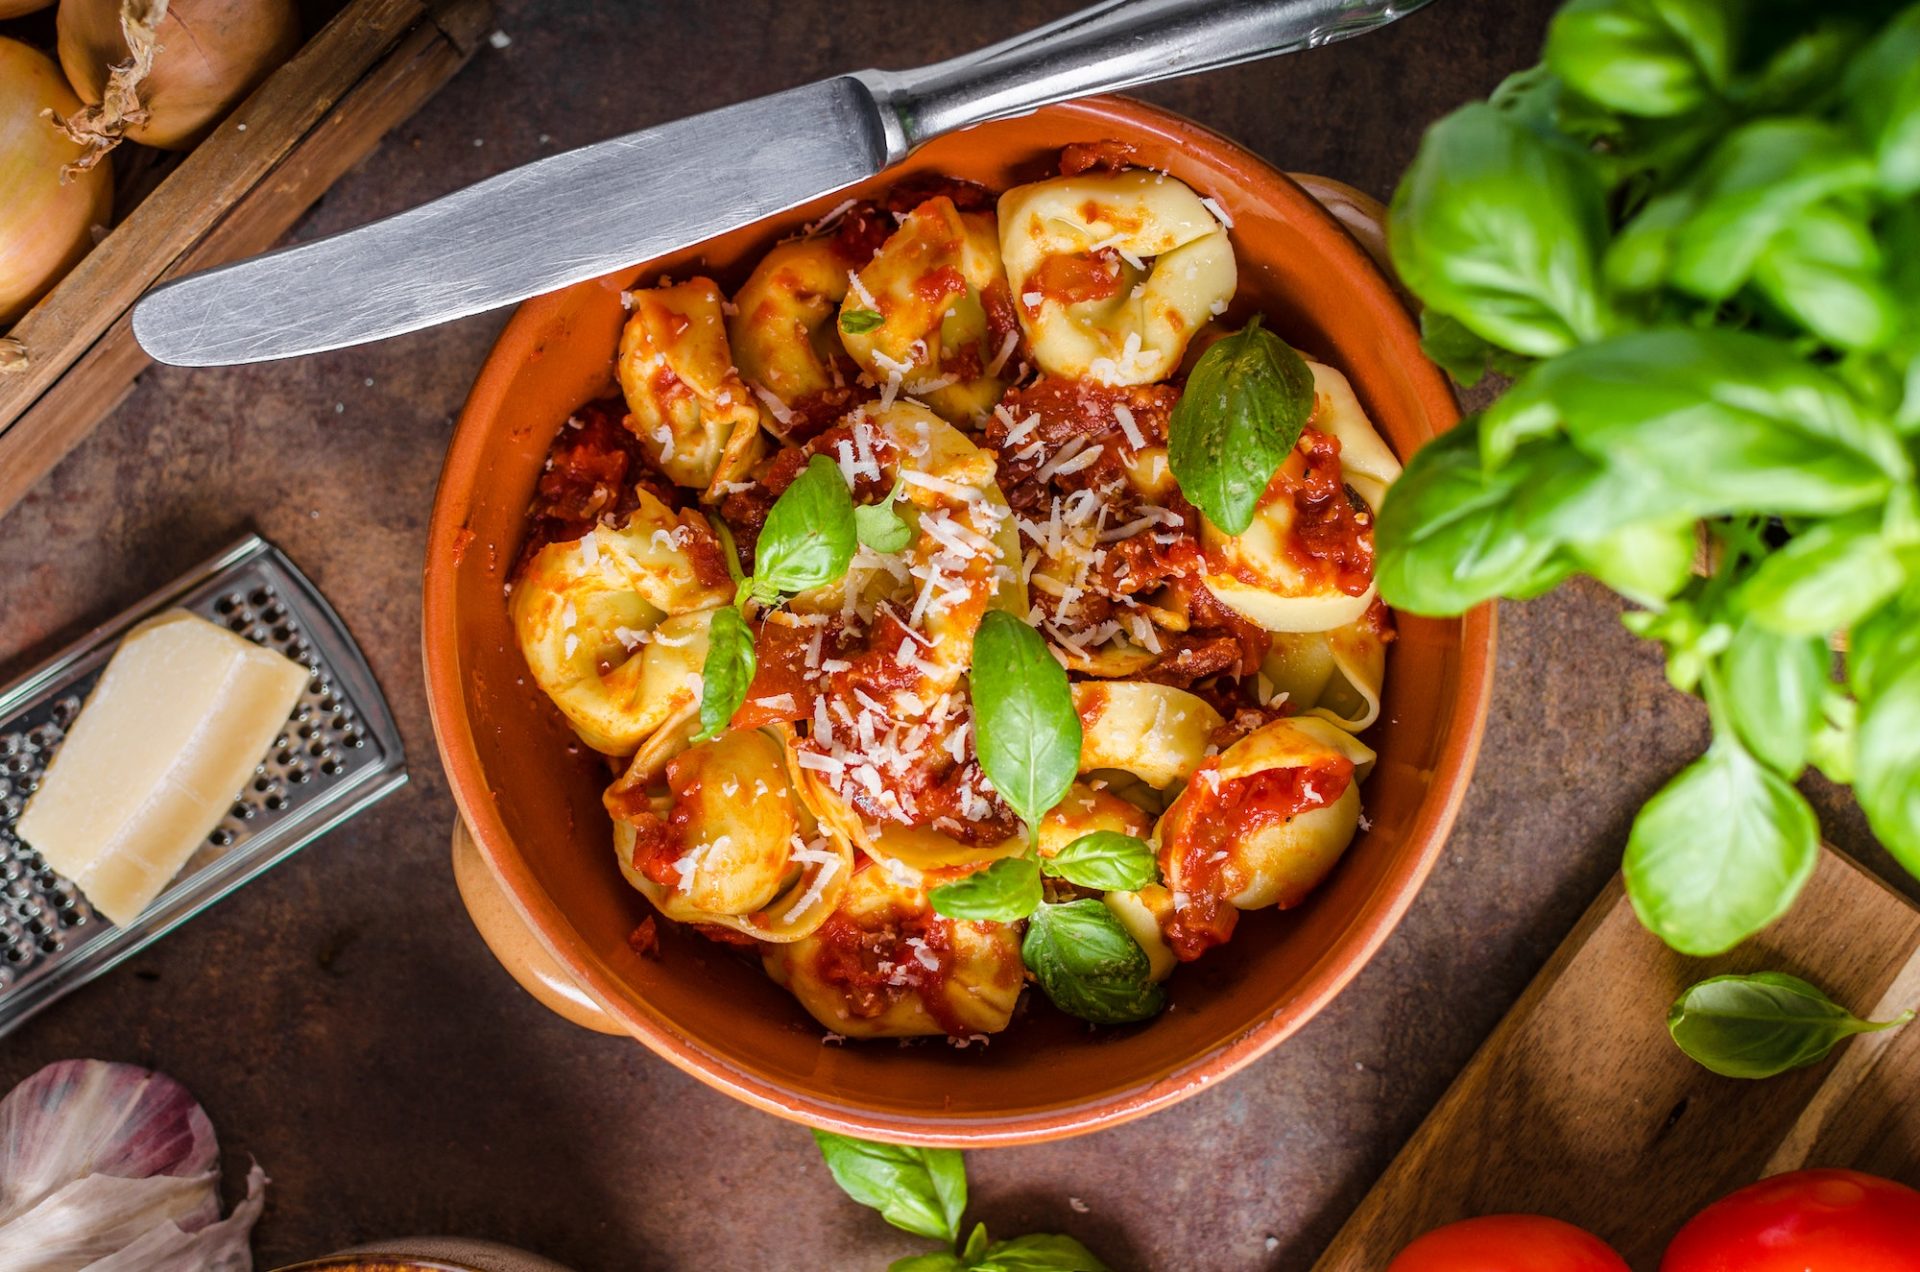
[[340, 752]]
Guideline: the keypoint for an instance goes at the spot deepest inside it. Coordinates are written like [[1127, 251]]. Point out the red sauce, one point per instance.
[[644, 940], [1084, 156], [1206, 822], [1002, 319], [590, 475], [871, 964], [911, 191], [859, 234], [1071, 278], [1332, 535], [935, 285]]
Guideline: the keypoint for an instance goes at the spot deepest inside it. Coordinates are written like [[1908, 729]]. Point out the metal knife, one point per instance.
[[594, 210]]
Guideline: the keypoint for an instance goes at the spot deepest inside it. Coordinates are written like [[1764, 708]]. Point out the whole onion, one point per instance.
[[46, 220], [163, 72]]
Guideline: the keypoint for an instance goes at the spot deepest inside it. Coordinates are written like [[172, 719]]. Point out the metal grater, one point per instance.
[[339, 754]]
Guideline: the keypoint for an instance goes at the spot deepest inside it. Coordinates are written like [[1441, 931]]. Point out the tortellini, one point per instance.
[[585, 613], [1335, 674], [732, 842], [1260, 827], [1293, 577], [1112, 273], [690, 409], [886, 966], [1158, 733], [925, 286], [784, 331]]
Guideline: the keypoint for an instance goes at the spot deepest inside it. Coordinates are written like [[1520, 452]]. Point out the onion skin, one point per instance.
[[212, 54], [45, 225]]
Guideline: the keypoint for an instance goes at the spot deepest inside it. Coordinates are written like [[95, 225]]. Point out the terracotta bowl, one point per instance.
[[530, 793]]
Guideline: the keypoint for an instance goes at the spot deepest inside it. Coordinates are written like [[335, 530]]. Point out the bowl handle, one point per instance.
[[514, 943], [1362, 216]]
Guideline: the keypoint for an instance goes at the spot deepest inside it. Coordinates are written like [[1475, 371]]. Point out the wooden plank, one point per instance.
[[392, 90], [249, 144], [1580, 1106]]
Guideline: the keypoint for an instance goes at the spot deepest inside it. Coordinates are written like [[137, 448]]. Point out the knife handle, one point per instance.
[[1109, 46]]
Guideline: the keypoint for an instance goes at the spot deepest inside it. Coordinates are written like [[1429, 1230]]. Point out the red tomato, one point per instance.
[[1808, 1221], [1509, 1243]]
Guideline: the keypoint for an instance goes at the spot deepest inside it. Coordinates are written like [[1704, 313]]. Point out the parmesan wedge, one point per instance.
[[182, 715]]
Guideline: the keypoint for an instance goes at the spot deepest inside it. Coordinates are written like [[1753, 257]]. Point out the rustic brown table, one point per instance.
[[344, 1024]]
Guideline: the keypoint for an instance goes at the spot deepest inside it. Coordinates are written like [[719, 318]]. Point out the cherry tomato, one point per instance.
[[1808, 1221], [1509, 1243]]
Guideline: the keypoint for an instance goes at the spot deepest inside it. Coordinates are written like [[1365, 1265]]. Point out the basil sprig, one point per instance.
[[809, 536], [1106, 860], [1764, 1024], [1005, 892], [919, 1190], [1242, 411], [1691, 234], [727, 672], [1088, 964], [924, 1191], [879, 527]]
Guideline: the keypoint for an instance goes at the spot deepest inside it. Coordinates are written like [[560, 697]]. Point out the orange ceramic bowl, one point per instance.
[[531, 793]]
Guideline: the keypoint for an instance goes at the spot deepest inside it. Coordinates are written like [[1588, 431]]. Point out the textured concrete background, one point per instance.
[[340, 1018]]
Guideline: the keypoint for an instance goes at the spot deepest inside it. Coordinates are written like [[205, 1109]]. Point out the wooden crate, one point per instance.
[[361, 74]]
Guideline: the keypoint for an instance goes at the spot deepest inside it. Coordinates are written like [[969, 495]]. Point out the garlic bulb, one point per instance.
[[115, 1168]]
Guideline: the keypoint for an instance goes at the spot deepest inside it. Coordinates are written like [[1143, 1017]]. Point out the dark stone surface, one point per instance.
[[344, 1024]]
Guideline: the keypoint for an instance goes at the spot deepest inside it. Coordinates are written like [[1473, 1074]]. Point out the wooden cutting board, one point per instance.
[[1580, 1106]]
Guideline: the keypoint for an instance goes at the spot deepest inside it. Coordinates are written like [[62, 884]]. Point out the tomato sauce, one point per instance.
[[591, 474], [1107, 156], [1332, 535], [1207, 822], [1074, 278]]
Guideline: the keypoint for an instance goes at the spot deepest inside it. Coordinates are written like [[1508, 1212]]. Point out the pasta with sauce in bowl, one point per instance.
[[990, 390]]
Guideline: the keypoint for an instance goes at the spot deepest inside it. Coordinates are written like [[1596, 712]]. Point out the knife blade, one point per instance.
[[603, 207]]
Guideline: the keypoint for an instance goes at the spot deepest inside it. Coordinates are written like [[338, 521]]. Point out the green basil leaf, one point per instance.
[[855, 321], [1643, 57], [1826, 271], [1883, 666], [1039, 1252], [1026, 732], [1762, 1025], [1445, 539], [1720, 852], [1088, 965], [1721, 422], [1237, 421], [1776, 686], [1826, 577], [809, 536], [1502, 229], [1645, 561], [881, 528], [938, 1261], [1462, 354], [1106, 860], [1801, 71], [1882, 94], [976, 1247], [726, 673], [920, 1190], [1005, 892]]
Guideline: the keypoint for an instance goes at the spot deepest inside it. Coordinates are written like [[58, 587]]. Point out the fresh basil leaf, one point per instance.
[[977, 1243], [1039, 1252], [1720, 852], [920, 1190], [1775, 689], [1801, 66], [1106, 860], [1883, 667], [1721, 422], [1502, 229], [1462, 354], [1088, 965], [1237, 421], [1645, 561], [1826, 577], [1882, 95], [1005, 892], [1446, 538], [938, 1261], [881, 528], [1826, 271], [855, 321], [1643, 57], [726, 673], [809, 537], [1762, 1025], [1025, 729]]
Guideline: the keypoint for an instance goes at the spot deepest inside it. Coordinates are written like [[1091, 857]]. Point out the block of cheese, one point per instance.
[[181, 717]]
